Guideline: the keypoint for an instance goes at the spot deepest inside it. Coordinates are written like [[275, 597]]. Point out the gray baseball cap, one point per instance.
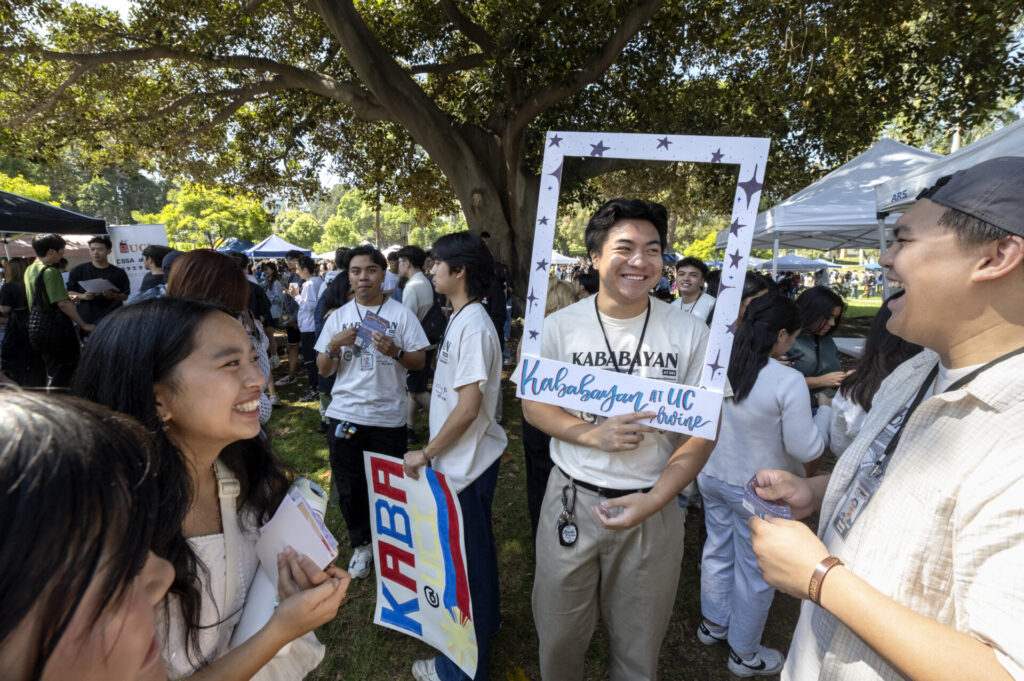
[[992, 191]]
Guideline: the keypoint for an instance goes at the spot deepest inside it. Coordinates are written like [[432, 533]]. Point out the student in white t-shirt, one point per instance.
[[418, 296], [616, 473], [367, 409], [691, 273], [465, 442]]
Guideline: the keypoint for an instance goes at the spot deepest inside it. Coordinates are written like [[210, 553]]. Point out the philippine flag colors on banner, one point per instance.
[[420, 559]]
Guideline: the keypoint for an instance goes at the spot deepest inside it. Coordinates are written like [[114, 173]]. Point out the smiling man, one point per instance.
[[691, 273], [610, 537], [367, 409], [922, 520]]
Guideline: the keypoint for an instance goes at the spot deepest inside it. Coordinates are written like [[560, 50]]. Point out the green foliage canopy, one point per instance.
[[201, 217], [425, 101]]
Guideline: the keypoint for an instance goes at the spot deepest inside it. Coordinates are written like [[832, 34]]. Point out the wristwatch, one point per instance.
[[401, 353]]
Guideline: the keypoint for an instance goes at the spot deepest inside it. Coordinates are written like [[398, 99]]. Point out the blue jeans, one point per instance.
[[732, 592], [482, 572]]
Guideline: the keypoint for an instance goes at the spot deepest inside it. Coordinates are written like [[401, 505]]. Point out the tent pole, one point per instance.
[[5, 239], [775, 258], [881, 245]]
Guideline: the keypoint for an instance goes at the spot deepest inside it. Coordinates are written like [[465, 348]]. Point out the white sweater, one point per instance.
[[771, 428]]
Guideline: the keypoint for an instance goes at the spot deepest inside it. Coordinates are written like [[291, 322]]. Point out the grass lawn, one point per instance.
[[857, 318], [359, 650]]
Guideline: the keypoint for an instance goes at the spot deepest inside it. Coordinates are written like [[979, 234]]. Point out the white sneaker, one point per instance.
[[424, 670], [765, 662], [275, 400], [285, 380], [708, 637], [361, 562]]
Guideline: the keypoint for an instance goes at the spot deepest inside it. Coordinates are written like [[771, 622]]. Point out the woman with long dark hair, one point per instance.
[[187, 371], [883, 352], [817, 357], [767, 423], [79, 584]]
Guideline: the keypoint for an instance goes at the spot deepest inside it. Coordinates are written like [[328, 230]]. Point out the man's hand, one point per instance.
[[414, 460], [625, 512], [787, 552], [620, 433], [110, 294], [384, 344], [342, 338], [87, 327], [783, 486]]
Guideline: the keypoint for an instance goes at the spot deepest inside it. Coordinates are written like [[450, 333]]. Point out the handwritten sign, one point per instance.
[[686, 409], [420, 559]]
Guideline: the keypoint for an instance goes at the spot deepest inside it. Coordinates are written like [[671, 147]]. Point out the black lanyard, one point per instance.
[[452, 321], [639, 345], [361, 314], [883, 461]]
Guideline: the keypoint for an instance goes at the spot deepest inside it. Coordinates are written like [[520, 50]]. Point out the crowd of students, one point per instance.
[[155, 475]]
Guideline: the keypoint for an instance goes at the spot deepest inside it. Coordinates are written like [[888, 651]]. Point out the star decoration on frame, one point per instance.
[[557, 173], [598, 149], [663, 142], [751, 186], [542, 265], [735, 227], [533, 334], [715, 366], [555, 141], [532, 298], [731, 328], [723, 287], [716, 156], [542, 221], [735, 257]]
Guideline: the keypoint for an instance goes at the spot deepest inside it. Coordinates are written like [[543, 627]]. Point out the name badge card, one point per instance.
[[692, 410]]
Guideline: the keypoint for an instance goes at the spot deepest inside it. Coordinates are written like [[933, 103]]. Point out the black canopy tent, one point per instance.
[[21, 215]]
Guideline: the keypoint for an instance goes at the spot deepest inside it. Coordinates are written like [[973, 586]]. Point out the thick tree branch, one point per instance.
[[362, 103], [52, 100], [469, 61], [601, 61], [468, 27]]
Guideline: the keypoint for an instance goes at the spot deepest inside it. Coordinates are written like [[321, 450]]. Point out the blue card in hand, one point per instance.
[[761, 507]]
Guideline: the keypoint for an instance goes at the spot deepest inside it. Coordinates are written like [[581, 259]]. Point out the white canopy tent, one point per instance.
[[837, 211], [898, 193], [559, 259]]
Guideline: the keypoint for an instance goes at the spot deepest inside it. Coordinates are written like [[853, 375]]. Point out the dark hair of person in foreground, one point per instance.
[[78, 497]]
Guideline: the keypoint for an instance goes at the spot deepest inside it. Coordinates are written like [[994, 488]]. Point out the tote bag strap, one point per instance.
[[228, 489]]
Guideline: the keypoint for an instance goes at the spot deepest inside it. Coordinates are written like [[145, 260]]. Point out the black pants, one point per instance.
[[537, 448], [308, 340], [349, 472], [60, 366]]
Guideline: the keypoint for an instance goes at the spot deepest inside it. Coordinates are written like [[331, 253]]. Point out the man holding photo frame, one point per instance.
[[610, 538]]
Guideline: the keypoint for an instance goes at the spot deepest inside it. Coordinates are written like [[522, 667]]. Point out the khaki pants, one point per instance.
[[630, 577]]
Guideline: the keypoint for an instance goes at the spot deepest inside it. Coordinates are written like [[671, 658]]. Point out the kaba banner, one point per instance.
[[420, 558]]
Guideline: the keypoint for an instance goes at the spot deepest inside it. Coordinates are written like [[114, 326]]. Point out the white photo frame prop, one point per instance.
[[692, 410]]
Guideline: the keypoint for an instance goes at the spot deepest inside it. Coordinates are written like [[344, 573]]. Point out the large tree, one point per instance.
[[423, 99]]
